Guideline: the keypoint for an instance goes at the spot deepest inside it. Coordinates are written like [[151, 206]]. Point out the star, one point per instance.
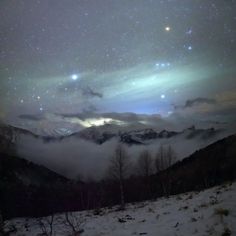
[[190, 48], [163, 65], [167, 28], [74, 77], [156, 53], [189, 32]]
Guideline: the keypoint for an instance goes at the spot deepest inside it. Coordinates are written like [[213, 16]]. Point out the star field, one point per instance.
[[115, 56]]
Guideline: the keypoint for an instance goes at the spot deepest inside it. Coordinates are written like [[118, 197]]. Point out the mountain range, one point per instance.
[[104, 133]]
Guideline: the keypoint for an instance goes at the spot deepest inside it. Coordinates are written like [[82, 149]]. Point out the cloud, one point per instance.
[[31, 117], [90, 109], [196, 101], [218, 111], [202, 112], [127, 121], [74, 157], [89, 92], [48, 124], [78, 87]]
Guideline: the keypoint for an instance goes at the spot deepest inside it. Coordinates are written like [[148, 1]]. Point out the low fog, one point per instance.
[[80, 159]]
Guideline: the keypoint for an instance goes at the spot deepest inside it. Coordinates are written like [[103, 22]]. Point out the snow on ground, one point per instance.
[[209, 212]]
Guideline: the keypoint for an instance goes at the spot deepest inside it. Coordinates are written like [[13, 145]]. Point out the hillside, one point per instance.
[[30, 189], [17, 170], [205, 168], [210, 212]]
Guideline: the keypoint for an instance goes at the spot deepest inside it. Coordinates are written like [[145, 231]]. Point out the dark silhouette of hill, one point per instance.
[[205, 168], [27, 189]]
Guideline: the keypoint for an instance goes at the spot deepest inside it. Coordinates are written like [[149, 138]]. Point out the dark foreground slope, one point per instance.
[[27, 189], [205, 168]]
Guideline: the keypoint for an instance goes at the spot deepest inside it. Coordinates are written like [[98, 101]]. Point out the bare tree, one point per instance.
[[145, 163], [159, 160], [46, 225], [118, 169], [165, 157], [74, 223], [145, 168], [170, 156]]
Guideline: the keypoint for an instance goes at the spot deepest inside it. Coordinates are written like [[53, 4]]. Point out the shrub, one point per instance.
[[227, 232], [222, 212]]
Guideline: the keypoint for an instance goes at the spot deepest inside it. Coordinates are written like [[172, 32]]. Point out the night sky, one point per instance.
[[168, 57]]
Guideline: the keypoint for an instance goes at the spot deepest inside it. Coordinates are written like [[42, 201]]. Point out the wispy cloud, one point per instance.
[[31, 117], [196, 101], [89, 92]]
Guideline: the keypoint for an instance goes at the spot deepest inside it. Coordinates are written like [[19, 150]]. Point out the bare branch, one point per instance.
[[74, 223], [165, 157], [46, 225], [118, 169], [144, 163]]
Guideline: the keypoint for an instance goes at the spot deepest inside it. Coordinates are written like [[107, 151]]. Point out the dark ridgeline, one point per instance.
[[27, 189]]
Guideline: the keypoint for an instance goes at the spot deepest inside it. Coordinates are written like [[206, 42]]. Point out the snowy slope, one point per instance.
[[185, 214]]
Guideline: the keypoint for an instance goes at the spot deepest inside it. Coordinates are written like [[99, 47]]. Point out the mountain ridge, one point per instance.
[[102, 134]]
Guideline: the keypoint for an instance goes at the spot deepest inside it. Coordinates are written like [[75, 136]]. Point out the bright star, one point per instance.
[[74, 76], [163, 96], [190, 48], [163, 64], [167, 28]]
